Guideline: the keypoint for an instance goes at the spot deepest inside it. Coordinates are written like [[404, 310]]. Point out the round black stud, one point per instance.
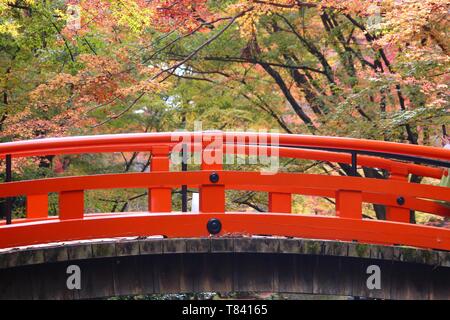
[[214, 177], [401, 201], [214, 226]]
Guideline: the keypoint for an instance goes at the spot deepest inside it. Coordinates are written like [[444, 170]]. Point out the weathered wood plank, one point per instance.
[[253, 272], [256, 245], [290, 246], [214, 273], [168, 273], [127, 248], [174, 246], [198, 245], [104, 249], [147, 269], [16, 285], [415, 283], [440, 288], [55, 289], [329, 276], [56, 254], [97, 279], [150, 246], [222, 244], [80, 251], [127, 276], [295, 273]]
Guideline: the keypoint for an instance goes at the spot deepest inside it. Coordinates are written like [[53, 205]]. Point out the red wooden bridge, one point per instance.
[[395, 192]]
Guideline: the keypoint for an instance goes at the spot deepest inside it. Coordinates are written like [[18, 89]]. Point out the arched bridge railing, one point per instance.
[[350, 192]]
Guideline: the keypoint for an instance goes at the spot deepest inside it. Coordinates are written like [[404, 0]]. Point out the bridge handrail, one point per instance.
[[144, 142], [350, 192], [51, 145]]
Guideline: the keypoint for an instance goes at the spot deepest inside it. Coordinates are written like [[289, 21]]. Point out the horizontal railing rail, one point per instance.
[[283, 152], [92, 143], [374, 191]]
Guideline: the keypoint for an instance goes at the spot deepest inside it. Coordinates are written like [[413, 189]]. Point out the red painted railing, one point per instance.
[[396, 193]]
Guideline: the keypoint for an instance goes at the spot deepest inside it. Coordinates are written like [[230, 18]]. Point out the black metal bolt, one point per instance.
[[401, 201], [214, 177], [214, 226]]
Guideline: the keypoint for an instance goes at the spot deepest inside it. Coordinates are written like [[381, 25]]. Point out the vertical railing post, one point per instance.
[[160, 199], [277, 201], [37, 206], [212, 196], [398, 213], [349, 204], [280, 202], [71, 205]]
